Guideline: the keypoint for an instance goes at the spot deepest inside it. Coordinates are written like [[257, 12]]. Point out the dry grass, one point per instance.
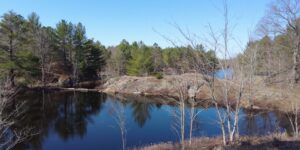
[[276, 96], [273, 96], [197, 144], [270, 142]]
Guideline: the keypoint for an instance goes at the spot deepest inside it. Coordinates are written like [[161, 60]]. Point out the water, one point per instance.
[[74, 120], [221, 74]]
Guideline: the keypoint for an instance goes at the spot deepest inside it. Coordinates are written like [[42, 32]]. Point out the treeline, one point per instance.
[[269, 56], [275, 57], [31, 53], [138, 59], [277, 54]]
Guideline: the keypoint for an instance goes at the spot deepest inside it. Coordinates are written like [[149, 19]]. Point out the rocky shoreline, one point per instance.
[[265, 97]]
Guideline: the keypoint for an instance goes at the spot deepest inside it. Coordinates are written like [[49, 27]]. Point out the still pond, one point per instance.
[[87, 120]]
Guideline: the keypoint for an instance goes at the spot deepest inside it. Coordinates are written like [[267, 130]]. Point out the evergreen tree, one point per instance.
[[123, 56], [157, 58], [79, 38], [64, 34], [12, 29], [94, 60], [34, 28], [141, 62]]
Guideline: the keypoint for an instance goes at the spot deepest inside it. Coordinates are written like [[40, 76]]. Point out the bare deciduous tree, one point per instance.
[[227, 105], [179, 114], [192, 91], [293, 119], [43, 49], [118, 113], [283, 17], [10, 137]]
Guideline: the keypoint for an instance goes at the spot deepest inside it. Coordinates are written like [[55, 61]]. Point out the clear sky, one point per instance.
[[110, 21]]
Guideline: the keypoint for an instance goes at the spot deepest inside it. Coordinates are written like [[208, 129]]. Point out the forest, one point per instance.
[[32, 54]]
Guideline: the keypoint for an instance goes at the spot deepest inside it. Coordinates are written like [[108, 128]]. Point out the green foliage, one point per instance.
[[138, 59], [7, 65], [79, 39], [122, 57], [141, 62], [189, 58], [211, 57], [125, 48], [30, 51], [269, 55], [171, 56], [64, 39], [94, 59], [159, 75], [27, 64]]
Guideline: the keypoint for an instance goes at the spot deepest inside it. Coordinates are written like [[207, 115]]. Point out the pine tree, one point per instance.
[[64, 35], [123, 56], [94, 60], [142, 61], [12, 29], [79, 38]]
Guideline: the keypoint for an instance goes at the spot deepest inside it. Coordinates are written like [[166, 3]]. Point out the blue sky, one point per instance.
[[110, 21]]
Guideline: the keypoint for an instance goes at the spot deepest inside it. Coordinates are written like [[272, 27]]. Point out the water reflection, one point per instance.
[[141, 111], [66, 114], [260, 122], [74, 115], [73, 120]]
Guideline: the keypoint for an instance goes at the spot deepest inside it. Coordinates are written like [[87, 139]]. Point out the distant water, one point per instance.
[[224, 73], [77, 121]]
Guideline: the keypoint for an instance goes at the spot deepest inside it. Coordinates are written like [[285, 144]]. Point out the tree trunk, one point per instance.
[[223, 133], [296, 120], [11, 72], [234, 129], [295, 65], [43, 70], [182, 124], [191, 123], [64, 53]]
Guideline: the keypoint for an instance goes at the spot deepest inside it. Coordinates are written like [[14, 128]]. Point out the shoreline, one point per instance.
[[266, 98], [153, 98], [272, 141]]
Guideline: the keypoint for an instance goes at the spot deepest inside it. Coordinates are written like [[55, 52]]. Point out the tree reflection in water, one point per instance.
[[68, 113], [68, 116], [141, 111], [260, 122]]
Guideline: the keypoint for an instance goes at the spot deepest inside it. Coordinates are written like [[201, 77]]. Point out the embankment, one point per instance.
[[263, 96]]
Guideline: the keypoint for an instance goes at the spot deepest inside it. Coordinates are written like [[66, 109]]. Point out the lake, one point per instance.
[[78, 120]]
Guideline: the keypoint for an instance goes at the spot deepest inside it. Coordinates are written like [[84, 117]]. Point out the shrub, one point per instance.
[[159, 75]]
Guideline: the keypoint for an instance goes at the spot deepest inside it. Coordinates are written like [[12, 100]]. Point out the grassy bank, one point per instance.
[[269, 142]]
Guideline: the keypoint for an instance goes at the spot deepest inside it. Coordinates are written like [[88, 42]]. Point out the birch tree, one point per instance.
[[179, 114], [118, 113], [227, 99]]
